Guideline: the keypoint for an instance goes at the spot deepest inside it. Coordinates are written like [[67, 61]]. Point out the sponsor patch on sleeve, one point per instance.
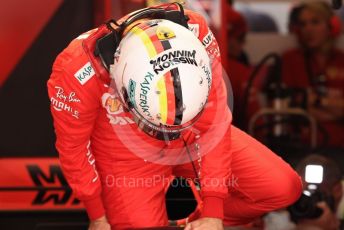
[[208, 39], [85, 73], [63, 101], [210, 44]]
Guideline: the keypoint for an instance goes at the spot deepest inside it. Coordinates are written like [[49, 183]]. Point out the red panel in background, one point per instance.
[[34, 184], [21, 22], [115, 9], [102, 11], [223, 40]]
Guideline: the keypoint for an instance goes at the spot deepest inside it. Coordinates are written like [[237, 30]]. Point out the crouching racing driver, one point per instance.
[[158, 108]]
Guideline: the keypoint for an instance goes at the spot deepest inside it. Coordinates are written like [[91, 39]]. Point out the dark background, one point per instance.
[[26, 124]]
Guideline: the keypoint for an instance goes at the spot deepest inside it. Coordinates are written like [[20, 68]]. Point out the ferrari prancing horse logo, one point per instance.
[[114, 110], [164, 33], [112, 104]]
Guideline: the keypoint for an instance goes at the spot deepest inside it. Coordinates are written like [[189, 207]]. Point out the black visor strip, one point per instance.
[[177, 88]]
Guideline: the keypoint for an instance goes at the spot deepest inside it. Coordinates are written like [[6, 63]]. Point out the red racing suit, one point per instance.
[[104, 172], [330, 111]]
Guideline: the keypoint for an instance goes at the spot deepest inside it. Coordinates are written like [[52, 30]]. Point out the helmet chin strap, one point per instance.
[[155, 133]]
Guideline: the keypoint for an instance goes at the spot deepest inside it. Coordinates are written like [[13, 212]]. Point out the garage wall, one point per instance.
[[34, 33]]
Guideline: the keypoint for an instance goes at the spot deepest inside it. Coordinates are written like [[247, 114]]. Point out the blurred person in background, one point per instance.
[[236, 34], [317, 207], [318, 67], [238, 69], [326, 196]]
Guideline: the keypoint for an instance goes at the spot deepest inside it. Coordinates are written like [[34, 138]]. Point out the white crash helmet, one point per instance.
[[162, 74]]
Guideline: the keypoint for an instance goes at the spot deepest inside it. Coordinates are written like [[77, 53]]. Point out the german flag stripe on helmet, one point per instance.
[[178, 96], [171, 102], [162, 99], [169, 86], [152, 52]]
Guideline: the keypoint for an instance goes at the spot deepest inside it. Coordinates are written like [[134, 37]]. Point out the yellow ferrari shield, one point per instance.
[[164, 33]]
